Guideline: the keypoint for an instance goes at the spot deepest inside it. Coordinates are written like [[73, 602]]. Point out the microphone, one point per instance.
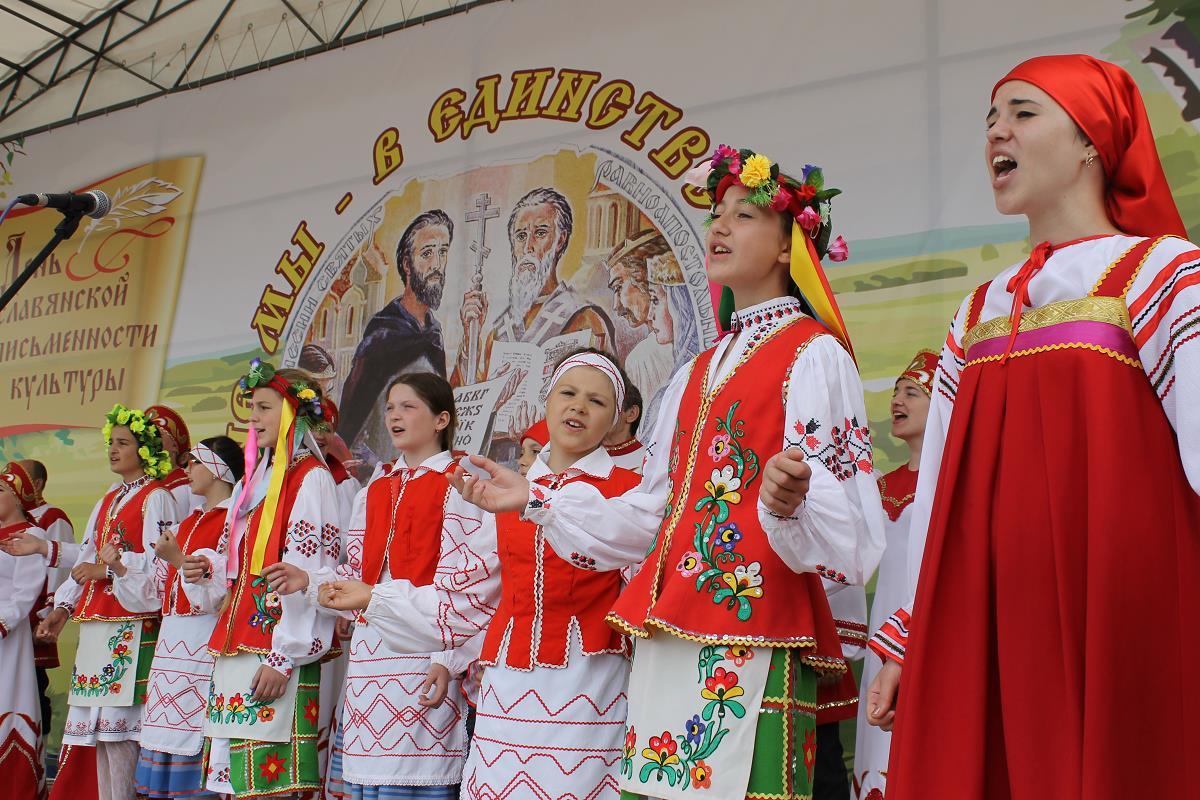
[[94, 203]]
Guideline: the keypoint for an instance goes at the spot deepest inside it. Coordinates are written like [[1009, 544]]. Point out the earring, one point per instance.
[[1091, 158]]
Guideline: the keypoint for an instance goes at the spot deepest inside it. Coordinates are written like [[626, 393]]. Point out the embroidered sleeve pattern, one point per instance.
[[890, 641], [845, 450]]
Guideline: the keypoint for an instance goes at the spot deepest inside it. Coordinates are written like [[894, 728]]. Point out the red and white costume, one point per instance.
[[104, 705], [552, 703], [173, 720], [21, 583], [628, 454], [57, 528], [1090, 431], [408, 526]]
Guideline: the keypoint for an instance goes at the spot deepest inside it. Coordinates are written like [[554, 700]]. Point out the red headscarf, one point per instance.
[[1107, 106], [170, 423], [539, 432], [920, 371], [21, 484]]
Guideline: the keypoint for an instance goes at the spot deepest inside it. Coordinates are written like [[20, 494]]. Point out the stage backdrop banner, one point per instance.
[[480, 194]]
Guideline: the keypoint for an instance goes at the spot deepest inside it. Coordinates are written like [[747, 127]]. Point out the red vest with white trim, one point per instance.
[[199, 531], [542, 595], [712, 576], [124, 528]]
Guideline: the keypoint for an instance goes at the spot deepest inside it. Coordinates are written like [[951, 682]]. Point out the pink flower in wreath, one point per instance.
[[808, 219], [839, 250], [718, 449], [690, 564]]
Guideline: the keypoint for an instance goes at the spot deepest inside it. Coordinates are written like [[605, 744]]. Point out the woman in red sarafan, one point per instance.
[[1048, 648]]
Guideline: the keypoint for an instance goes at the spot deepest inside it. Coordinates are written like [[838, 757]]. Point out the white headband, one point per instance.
[[601, 363], [216, 465]]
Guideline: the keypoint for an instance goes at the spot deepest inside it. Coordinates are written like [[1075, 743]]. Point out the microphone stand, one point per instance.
[[63, 231]]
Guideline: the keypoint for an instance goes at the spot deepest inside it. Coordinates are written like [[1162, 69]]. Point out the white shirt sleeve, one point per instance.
[[1164, 305], [67, 595], [312, 542], [617, 531], [28, 578], [140, 590], [460, 658], [838, 529], [60, 531]]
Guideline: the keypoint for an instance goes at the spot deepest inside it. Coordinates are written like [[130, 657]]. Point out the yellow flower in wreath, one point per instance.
[[306, 394], [756, 171]]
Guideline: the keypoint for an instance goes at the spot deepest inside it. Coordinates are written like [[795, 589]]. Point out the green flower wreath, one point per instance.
[[156, 462]]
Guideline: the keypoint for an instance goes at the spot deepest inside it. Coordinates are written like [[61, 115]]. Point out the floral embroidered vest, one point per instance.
[[201, 530], [404, 526], [124, 528], [543, 595], [712, 576], [254, 610]]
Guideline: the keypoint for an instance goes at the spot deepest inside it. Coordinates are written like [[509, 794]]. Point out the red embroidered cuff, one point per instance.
[[891, 640]]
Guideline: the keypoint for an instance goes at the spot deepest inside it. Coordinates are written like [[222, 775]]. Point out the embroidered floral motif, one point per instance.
[[681, 757], [108, 682], [718, 449], [739, 655], [331, 539], [268, 607], [312, 711], [715, 540], [845, 454], [583, 562], [832, 574], [690, 564], [239, 709]]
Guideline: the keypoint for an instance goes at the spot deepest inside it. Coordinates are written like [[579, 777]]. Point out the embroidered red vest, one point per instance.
[[200, 530], [541, 594], [897, 489], [125, 528], [337, 469], [45, 654], [247, 621], [404, 526], [712, 576]]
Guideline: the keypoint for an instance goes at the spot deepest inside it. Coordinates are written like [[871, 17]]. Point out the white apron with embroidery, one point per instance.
[[677, 693], [173, 720], [106, 664], [234, 714], [389, 738]]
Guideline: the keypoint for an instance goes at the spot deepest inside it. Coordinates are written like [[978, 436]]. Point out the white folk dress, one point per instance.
[[838, 526], [173, 717], [388, 738], [21, 582], [87, 725]]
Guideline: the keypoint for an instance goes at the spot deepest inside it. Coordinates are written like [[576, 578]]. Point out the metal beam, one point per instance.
[[20, 70], [303, 21], [322, 47], [345, 27], [203, 42], [50, 12], [95, 64]]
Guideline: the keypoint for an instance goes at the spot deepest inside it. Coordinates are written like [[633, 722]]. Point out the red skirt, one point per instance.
[[1051, 648]]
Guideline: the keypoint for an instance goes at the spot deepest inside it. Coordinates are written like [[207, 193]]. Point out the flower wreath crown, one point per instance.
[[805, 199], [156, 462], [308, 403]]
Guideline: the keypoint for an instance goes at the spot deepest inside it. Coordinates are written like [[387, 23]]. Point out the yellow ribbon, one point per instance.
[[279, 464], [810, 278]]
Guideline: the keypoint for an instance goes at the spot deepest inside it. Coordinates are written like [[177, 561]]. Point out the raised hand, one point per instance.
[[24, 543], [195, 568], [785, 482], [505, 490], [167, 548]]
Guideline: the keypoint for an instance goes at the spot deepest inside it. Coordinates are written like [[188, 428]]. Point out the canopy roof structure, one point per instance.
[[63, 61]]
